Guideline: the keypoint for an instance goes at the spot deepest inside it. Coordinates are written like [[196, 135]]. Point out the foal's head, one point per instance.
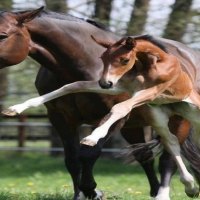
[[118, 58], [14, 37]]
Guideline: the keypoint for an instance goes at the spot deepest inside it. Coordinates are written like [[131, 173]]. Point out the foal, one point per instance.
[[158, 81]]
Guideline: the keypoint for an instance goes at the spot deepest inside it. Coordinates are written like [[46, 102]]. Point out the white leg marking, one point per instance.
[[163, 193]]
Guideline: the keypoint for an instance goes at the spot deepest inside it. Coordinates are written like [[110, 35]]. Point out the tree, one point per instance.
[[5, 4], [102, 10], [57, 6], [138, 17], [178, 20]]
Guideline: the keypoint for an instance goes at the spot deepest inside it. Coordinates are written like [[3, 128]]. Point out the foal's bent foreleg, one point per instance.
[[79, 86]]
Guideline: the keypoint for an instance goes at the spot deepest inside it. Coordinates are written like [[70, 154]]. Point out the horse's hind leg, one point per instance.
[[167, 167], [135, 135]]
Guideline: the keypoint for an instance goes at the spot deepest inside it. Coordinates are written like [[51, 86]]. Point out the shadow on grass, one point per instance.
[[24, 164]]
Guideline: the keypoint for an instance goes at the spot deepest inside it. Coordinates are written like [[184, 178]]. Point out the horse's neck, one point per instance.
[[144, 46], [67, 46], [52, 34]]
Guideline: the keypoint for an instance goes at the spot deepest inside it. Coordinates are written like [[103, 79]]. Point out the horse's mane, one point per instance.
[[151, 39], [63, 16]]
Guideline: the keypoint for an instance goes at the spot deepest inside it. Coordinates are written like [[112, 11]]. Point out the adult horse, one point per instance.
[[56, 42]]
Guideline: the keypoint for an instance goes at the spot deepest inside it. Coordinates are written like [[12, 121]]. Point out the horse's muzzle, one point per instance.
[[105, 84]]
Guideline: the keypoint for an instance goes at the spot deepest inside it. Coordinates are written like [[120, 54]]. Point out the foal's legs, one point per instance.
[[167, 165], [160, 124]]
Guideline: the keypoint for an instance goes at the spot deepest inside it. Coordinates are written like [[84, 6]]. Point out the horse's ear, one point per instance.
[[130, 43], [26, 16], [101, 42]]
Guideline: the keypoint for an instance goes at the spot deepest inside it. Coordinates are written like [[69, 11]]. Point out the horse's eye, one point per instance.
[[124, 61], [3, 36]]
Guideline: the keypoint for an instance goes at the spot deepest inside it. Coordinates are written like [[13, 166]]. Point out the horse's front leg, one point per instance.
[[79, 160]]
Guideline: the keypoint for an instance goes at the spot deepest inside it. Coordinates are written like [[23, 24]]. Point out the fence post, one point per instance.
[[21, 131]]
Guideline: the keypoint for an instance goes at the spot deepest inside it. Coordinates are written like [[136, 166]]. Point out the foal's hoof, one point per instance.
[[88, 142], [9, 112], [193, 194]]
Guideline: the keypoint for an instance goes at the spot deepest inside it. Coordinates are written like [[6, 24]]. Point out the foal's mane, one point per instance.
[[151, 39]]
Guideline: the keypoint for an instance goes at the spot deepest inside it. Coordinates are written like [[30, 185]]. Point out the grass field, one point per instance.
[[37, 176]]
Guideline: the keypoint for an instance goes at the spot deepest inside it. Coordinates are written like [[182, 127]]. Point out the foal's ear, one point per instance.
[[101, 42], [130, 43], [26, 16]]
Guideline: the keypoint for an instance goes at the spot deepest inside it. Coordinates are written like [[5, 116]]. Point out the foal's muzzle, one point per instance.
[[105, 84]]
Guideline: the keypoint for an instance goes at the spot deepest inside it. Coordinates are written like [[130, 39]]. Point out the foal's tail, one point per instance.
[[192, 153]]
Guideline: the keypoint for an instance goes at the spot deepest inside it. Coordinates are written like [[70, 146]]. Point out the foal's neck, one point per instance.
[[150, 48]]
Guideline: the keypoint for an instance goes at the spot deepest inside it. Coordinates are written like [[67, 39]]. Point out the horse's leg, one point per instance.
[[70, 140], [167, 168], [160, 124], [88, 157], [167, 165], [136, 135]]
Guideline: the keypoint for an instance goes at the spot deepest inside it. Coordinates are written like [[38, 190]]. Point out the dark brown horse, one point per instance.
[[56, 42]]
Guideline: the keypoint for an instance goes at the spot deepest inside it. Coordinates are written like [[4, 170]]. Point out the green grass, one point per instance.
[[37, 176]]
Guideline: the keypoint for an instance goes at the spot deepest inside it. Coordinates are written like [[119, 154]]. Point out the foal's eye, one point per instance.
[[3, 36], [124, 61]]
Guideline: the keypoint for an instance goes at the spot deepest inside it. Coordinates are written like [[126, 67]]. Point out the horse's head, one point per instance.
[[14, 37], [118, 58]]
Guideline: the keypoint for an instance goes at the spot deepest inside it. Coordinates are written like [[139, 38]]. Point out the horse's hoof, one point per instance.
[[99, 196], [192, 194], [88, 142], [9, 112], [161, 197]]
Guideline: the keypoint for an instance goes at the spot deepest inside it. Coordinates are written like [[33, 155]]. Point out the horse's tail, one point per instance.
[[192, 153], [143, 152], [147, 151]]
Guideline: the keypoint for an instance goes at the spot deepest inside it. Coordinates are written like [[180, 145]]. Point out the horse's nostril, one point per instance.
[[105, 84]]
